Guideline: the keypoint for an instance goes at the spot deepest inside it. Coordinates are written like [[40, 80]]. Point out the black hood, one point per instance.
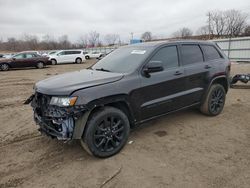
[[67, 83]]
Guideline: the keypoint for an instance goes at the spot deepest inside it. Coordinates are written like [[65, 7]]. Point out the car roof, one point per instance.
[[160, 43]]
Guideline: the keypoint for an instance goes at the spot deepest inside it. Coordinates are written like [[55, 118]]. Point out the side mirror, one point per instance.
[[151, 67]]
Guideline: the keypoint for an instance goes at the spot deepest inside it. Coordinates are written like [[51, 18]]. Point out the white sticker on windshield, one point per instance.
[[140, 52]]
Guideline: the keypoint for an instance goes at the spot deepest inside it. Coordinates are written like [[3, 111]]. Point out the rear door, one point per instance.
[[196, 72], [160, 93], [30, 60]]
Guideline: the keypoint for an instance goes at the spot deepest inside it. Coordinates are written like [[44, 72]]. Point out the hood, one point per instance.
[[5, 60], [67, 83]]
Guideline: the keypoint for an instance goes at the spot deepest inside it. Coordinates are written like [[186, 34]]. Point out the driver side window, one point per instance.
[[168, 56], [19, 56]]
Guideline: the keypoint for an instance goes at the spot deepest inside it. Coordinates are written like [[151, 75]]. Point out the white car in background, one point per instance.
[[93, 55], [67, 56]]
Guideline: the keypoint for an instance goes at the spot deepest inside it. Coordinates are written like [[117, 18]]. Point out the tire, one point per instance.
[[214, 101], [40, 65], [87, 57], [104, 138], [5, 67], [78, 60], [53, 62]]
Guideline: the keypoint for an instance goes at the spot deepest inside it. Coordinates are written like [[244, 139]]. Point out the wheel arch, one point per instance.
[[118, 102], [222, 80]]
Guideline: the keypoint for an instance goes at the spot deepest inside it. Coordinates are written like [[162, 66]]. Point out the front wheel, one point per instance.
[[214, 101], [5, 67], [106, 132], [78, 61]]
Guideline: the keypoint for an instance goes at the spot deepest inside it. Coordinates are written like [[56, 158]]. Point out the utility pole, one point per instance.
[[209, 25], [132, 35]]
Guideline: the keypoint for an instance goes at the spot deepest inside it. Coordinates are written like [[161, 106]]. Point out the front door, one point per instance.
[[160, 93]]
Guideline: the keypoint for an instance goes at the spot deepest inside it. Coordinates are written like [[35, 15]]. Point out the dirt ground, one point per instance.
[[185, 149]]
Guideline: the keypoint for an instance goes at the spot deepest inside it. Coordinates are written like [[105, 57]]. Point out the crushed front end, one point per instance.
[[55, 121]]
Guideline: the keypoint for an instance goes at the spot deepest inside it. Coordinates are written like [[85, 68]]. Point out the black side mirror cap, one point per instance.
[[151, 67]]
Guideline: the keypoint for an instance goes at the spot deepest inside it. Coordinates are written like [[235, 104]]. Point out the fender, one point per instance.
[[113, 100]]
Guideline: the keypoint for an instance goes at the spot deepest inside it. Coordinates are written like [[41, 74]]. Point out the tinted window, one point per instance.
[[77, 52], [168, 56], [191, 53], [210, 52]]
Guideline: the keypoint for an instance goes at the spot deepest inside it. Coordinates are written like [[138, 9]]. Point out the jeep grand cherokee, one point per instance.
[[133, 84]]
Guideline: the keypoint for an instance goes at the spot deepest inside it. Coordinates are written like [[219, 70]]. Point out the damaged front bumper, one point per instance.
[[57, 122]]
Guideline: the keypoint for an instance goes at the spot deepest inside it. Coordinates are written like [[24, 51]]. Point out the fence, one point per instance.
[[237, 49]]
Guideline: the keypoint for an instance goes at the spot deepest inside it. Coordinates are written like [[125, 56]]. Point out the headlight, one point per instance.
[[63, 101]]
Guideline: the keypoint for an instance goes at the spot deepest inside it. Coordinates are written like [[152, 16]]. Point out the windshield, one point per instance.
[[123, 60]]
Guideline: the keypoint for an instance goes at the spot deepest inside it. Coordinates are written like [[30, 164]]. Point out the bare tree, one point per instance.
[[146, 36], [83, 41], [64, 42], [111, 39], [183, 33], [93, 38], [226, 23], [204, 30], [247, 31], [236, 22]]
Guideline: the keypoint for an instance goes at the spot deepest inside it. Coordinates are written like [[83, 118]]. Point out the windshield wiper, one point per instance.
[[102, 69]]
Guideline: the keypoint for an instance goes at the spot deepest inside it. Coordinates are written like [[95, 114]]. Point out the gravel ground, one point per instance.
[[184, 149]]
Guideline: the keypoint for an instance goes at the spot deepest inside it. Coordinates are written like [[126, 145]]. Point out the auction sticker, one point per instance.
[[140, 52]]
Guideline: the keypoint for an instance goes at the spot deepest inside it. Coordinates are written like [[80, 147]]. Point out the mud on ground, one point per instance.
[[185, 149]]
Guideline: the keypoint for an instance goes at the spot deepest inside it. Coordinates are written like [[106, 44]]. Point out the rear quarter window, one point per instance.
[[191, 53], [210, 52]]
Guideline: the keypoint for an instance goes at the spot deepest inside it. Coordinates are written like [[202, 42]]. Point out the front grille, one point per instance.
[[41, 103]]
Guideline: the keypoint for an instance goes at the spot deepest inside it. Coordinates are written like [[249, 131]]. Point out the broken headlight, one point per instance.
[[63, 101]]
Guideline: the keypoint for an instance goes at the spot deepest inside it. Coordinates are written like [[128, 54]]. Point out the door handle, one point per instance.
[[177, 73], [207, 67]]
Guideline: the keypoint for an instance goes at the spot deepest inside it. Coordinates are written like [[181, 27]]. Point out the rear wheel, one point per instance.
[[214, 101], [78, 60], [40, 65], [87, 57], [53, 62], [107, 132], [5, 67]]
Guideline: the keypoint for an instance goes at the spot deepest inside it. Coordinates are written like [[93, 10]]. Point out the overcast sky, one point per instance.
[[77, 17]]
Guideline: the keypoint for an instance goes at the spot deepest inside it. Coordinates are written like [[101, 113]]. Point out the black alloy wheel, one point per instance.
[[106, 132]]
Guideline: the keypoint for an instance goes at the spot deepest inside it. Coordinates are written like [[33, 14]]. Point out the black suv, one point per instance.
[[131, 85]]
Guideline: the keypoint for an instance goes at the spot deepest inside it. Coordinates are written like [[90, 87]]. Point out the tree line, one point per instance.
[[229, 23]]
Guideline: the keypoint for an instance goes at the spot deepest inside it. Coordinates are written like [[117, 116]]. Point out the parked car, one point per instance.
[[67, 56], [8, 55], [93, 55], [24, 59], [132, 85]]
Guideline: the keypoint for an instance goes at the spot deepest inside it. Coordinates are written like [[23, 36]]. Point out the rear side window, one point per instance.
[[210, 52], [168, 56], [77, 52], [191, 53]]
